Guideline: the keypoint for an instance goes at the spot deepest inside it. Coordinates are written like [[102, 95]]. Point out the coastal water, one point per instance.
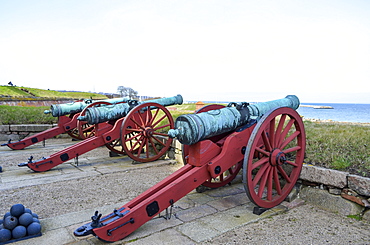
[[340, 112]]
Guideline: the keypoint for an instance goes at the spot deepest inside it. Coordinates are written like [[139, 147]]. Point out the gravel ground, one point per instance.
[[302, 225]]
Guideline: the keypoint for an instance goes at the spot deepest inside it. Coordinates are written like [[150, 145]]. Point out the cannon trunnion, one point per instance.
[[267, 141]]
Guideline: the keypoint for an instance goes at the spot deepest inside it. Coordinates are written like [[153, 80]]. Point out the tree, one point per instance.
[[127, 92]]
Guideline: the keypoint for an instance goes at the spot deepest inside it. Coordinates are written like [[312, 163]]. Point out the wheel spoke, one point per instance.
[[141, 146], [284, 174], [279, 129], [164, 126], [295, 148], [137, 123], [269, 184], [260, 162], [276, 181], [272, 133], [260, 173], [153, 146], [160, 134], [289, 139], [262, 151], [266, 141], [159, 141], [285, 132], [262, 185], [158, 121], [292, 163]]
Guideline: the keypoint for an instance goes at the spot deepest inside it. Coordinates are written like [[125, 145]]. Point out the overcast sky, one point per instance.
[[237, 50]]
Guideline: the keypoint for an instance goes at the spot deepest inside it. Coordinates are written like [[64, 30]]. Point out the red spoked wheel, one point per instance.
[[116, 146], [274, 157], [144, 132], [227, 176], [86, 130], [74, 132]]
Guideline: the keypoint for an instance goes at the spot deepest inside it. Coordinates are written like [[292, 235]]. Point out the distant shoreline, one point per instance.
[[318, 106]]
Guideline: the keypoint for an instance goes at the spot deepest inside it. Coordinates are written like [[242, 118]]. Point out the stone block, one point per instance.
[[329, 202], [4, 128], [195, 213], [4, 138], [29, 127], [359, 184], [324, 176], [366, 216]]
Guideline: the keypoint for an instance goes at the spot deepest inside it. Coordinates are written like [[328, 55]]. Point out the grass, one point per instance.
[[24, 92], [339, 146], [25, 115]]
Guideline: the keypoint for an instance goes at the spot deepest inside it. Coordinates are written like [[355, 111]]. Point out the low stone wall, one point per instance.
[[33, 102], [336, 191], [21, 131]]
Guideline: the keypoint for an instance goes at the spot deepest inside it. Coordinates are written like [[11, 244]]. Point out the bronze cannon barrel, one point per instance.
[[94, 115], [58, 110], [192, 128]]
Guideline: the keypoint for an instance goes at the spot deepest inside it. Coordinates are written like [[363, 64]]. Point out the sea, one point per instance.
[[358, 113]]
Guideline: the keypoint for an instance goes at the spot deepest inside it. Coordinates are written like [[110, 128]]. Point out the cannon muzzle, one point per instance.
[[192, 128], [75, 107], [94, 115]]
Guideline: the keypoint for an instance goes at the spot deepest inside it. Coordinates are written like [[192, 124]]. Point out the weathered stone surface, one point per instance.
[[324, 176], [4, 128], [366, 216], [29, 127], [5, 137], [335, 191], [329, 202], [359, 184]]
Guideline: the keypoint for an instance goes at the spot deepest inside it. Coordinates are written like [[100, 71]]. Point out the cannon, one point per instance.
[[140, 132], [67, 122], [266, 139]]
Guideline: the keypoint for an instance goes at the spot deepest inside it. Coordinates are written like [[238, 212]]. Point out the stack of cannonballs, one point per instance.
[[19, 223]]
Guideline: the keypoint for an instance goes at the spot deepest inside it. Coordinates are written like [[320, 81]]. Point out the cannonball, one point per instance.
[[36, 220], [25, 219], [17, 210], [35, 215], [19, 232], [5, 235], [33, 229], [6, 215], [10, 222], [27, 210]]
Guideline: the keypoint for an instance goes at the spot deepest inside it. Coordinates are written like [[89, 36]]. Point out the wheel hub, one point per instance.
[[148, 132], [277, 157]]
